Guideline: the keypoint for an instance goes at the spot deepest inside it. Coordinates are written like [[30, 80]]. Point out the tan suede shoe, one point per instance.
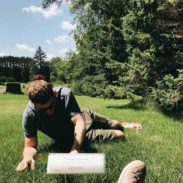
[[134, 172]]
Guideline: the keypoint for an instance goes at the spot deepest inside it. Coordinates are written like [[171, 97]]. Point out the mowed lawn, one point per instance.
[[159, 144]]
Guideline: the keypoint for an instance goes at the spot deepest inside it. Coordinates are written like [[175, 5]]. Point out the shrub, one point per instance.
[[134, 98], [2, 79], [97, 86], [169, 92], [10, 79], [53, 78], [90, 86], [114, 92]]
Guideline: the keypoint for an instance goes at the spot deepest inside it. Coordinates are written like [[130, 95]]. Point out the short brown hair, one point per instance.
[[40, 91]]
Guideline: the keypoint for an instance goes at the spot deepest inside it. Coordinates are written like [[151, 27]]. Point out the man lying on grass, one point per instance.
[[56, 113]]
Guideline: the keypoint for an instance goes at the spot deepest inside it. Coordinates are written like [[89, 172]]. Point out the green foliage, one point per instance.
[[114, 92], [138, 28], [91, 86], [153, 49], [169, 92], [127, 45], [55, 67], [39, 56], [168, 41], [67, 70], [39, 65], [2, 79], [98, 37], [16, 67], [10, 79]]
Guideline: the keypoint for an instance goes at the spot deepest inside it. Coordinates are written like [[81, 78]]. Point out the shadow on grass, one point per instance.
[[175, 115], [133, 106], [65, 147], [57, 147]]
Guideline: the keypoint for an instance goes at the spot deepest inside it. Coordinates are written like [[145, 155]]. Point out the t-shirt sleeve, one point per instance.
[[72, 105], [28, 123]]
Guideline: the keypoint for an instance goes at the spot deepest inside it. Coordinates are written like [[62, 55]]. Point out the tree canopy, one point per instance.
[[125, 48], [39, 65]]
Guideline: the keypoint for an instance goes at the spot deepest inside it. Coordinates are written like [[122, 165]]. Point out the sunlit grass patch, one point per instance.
[[159, 144]]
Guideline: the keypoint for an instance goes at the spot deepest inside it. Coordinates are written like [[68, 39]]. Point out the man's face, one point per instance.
[[47, 108]]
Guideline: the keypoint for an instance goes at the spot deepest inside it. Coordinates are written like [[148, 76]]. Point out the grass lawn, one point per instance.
[[159, 145]]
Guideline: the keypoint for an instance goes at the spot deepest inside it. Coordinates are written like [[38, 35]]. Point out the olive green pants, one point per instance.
[[98, 127]]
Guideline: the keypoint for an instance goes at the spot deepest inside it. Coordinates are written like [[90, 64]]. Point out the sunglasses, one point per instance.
[[50, 107]]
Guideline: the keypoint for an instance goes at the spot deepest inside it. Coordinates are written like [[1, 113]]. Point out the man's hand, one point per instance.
[[74, 151], [25, 164]]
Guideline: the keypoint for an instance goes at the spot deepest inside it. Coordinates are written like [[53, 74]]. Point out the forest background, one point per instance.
[[125, 49]]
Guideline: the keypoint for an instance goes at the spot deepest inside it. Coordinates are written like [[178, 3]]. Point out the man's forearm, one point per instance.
[[29, 152], [79, 135]]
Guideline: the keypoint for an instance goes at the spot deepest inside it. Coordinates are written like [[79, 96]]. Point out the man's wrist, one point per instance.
[[76, 147], [28, 158], [29, 152]]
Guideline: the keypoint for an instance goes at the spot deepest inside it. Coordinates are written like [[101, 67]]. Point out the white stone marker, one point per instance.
[[82, 163]]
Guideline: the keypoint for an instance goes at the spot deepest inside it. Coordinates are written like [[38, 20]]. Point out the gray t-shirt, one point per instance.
[[59, 125]]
